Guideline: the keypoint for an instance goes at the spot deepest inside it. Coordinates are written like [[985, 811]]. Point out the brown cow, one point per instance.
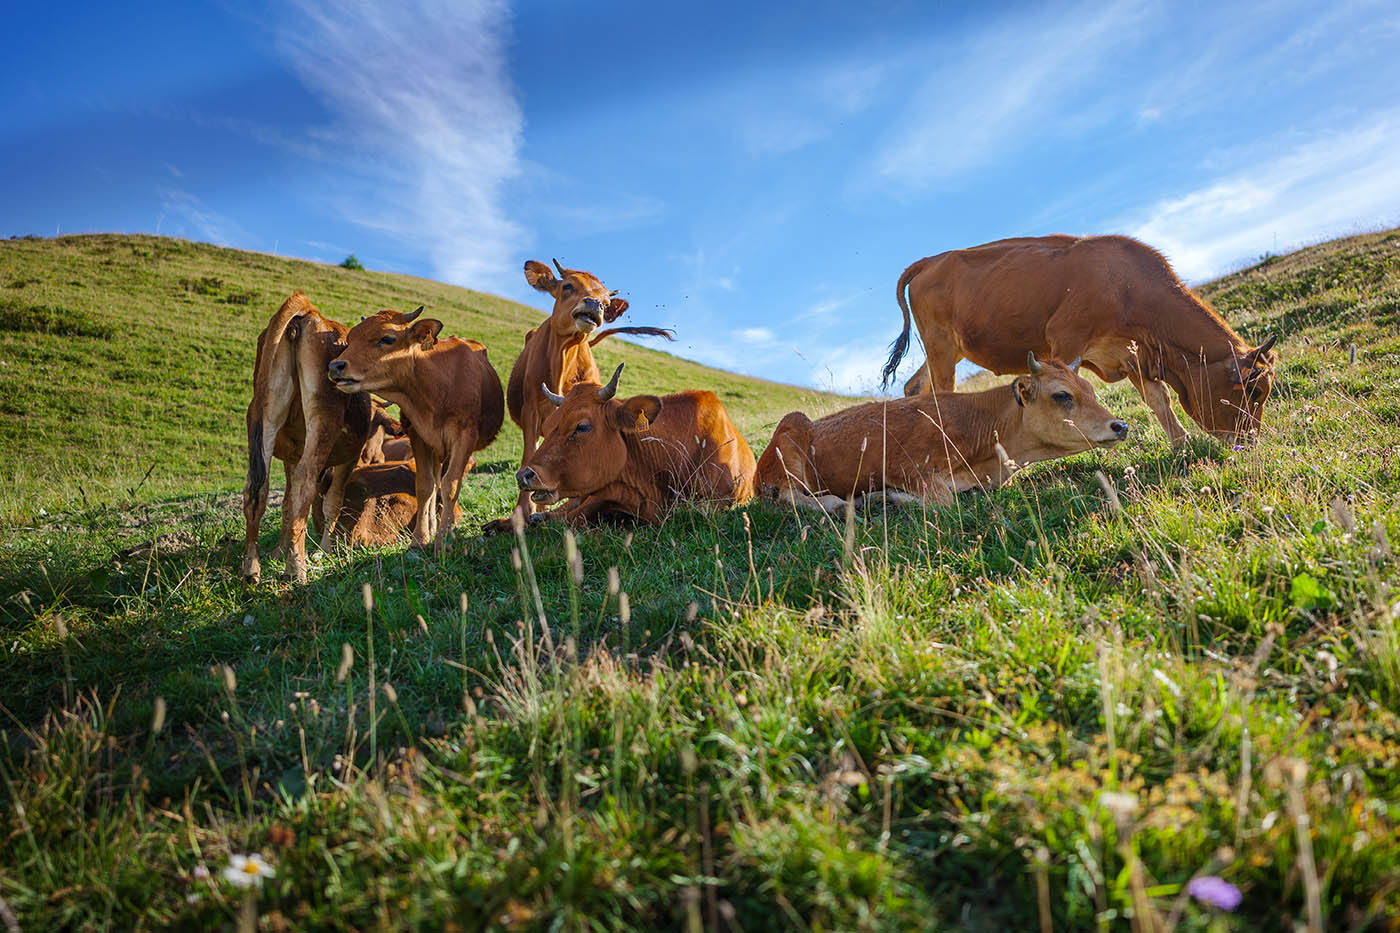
[[379, 503], [1111, 300], [928, 447], [558, 353], [637, 457], [297, 416], [449, 395], [386, 435]]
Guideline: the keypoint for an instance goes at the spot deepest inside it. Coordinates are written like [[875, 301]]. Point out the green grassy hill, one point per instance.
[[1051, 706], [126, 361]]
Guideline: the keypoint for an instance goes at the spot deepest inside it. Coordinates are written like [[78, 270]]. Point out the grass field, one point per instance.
[[1043, 707]]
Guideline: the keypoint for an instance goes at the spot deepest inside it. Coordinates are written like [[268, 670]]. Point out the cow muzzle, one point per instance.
[[588, 316], [529, 481], [336, 373]]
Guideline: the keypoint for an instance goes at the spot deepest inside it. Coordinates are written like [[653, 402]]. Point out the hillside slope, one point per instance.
[[123, 356], [1054, 705]]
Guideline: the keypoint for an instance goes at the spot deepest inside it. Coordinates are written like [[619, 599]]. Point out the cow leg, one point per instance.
[[284, 538], [941, 366], [296, 506], [332, 502], [1154, 393], [425, 488], [255, 491], [451, 487]]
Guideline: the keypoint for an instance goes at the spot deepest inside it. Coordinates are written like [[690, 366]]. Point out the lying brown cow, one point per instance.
[[1111, 300], [637, 457], [299, 418], [449, 395], [929, 447], [379, 503], [558, 352]]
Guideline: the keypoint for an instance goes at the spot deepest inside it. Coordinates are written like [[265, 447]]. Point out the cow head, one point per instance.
[[581, 302], [1060, 410], [583, 448], [377, 347], [1228, 398]]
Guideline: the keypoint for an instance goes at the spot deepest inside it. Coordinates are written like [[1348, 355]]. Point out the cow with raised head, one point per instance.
[[929, 447], [297, 416], [636, 457], [1110, 300], [559, 352], [450, 397]]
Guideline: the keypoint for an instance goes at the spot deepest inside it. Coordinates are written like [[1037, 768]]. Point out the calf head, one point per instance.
[[379, 350], [581, 302], [583, 448], [1061, 410], [1231, 403]]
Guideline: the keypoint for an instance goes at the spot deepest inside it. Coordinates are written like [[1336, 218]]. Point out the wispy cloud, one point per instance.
[[183, 212], [1000, 89], [1328, 186], [423, 99]]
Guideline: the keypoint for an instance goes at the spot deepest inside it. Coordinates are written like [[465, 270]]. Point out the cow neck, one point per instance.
[[415, 395], [648, 456], [571, 361], [1200, 331]]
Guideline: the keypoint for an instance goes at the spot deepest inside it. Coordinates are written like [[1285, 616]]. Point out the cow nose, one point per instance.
[[337, 367], [525, 478], [1119, 428], [592, 304]]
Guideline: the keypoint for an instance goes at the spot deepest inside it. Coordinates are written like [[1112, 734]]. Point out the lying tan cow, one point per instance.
[[637, 457], [1111, 300], [929, 447], [450, 397], [379, 504], [559, 352], [299, 418]]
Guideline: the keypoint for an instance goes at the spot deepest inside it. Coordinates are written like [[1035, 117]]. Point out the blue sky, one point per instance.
[[755, 175]]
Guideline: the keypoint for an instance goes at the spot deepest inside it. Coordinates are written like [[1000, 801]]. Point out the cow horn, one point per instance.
[[609, 390], [411, 316], [613, 293], [1074, 363], [552, 395], [560, 268], [1265, 347], [1032, 365]]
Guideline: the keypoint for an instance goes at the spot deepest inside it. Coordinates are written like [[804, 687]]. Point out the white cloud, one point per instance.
[[1327, 186], [424, 101], [1000, 87], [755, 335], [188, 213]]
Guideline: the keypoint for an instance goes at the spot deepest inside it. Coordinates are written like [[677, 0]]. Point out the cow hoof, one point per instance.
[[252, 572], [499, 526], [536, 519], [296, 573]]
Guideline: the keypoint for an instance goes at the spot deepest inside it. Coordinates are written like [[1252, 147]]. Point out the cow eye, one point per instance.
[[567, 289], [1064, 398], [387, 340], [583, 427]]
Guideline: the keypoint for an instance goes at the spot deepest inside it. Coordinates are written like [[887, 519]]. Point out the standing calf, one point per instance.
[[449, 395]]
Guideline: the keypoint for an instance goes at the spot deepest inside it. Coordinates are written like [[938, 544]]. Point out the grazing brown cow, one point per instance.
[[559, 352], [1111, 300], [637, 457], [449, 395], [928, 447], [297, 416], [379, 503]]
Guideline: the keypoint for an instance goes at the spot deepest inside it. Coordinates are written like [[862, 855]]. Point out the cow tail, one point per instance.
[[643, 331], [901, 343], [257, 466]]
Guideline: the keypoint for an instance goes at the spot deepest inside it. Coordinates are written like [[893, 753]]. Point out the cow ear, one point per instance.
[[426, 331], [637, 413], [539, 277], [1023, 388], [614, 309]]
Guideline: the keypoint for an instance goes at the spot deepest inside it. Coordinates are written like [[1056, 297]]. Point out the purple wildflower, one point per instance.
[[1215, 891]]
